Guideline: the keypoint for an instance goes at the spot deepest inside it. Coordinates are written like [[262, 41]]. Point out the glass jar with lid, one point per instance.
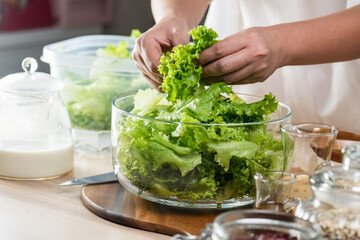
[[35, 131], [335, 204], [256, 225]]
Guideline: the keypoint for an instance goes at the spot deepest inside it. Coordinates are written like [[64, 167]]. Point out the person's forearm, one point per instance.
[[190, 11], [331, 38]]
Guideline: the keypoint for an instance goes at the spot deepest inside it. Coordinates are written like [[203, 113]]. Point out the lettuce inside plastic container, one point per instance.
[[211, 158], [89, 95]]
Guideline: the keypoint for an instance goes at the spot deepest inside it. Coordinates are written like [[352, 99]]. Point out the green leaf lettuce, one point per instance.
[[198, 148]]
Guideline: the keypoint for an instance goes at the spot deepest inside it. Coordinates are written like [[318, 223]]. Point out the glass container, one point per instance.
[[92, 80], [335, 205], [274, 191], [256, 225], [150, 162], [308, 147], [35, 130]]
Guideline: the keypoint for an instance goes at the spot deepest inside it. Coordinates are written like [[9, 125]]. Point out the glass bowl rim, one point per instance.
[[266, 217], [53, 52], [261, 176], [285, 128], [277, 120]]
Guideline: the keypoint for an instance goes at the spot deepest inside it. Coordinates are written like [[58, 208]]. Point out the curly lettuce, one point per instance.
[[196, 153], [181, 77]]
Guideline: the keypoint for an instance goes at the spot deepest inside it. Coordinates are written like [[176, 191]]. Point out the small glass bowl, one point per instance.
[[145, 166]]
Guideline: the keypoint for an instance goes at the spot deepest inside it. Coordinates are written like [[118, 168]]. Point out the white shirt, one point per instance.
[[324, 93]]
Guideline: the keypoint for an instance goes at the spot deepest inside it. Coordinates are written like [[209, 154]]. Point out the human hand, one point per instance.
[[162, 37], [246, 57]]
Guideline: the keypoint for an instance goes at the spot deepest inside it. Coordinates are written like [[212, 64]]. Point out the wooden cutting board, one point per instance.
[[113, 202], [343, 139]]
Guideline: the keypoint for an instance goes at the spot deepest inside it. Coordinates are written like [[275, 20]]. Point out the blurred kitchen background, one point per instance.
[[26, 26]]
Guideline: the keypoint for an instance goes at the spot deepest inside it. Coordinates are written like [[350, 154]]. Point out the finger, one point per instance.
[[148, 50], [227, 64], [209, 81], [233, 77], [153, 83], [220, 49], [143, 68], [151, 57], [249, 80]]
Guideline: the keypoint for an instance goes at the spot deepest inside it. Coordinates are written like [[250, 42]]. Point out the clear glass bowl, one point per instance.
[[145, 165], [91, 83]]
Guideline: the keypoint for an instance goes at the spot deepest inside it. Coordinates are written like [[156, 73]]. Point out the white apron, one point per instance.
[[325, 93]]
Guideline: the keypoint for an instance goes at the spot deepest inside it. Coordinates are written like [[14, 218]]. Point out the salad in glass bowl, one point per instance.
[[195, 146]]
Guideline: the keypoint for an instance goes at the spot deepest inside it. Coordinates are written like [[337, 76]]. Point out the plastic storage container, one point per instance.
[[150, 160], [92, 83], [35, 130], [336, 202]]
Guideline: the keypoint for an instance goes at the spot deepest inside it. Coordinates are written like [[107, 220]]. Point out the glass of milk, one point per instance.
[[35, 131]]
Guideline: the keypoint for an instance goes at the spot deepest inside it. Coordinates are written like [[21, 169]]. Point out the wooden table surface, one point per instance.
[[43, 210]]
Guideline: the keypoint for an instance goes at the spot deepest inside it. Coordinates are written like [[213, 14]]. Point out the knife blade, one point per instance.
[[101, 178]]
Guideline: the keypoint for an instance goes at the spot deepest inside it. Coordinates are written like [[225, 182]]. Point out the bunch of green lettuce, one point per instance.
[[180, 75], [197, 149], [89, 98]]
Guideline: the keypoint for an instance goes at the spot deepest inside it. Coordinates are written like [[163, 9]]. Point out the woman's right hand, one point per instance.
[[162, 37]]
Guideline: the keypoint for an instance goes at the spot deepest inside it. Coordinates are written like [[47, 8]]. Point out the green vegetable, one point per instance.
[[188, 160], [119, 51], [89, 97], [181, 75], [135, 33]]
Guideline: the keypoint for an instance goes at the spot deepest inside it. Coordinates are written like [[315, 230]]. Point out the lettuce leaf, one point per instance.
[[112, 51], [200, 155], [119, 51], [135, 33], [181, 76]]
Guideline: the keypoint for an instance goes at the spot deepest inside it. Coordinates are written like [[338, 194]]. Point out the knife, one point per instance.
[[101, 178]]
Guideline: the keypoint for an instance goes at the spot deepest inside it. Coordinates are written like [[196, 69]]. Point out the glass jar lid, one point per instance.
[[30, 82], [340, 185]]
